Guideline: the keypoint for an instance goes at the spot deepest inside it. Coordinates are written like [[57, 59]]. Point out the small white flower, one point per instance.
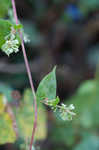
[[33, 148], [71, 107], [63, 105], [66, 113], [11, 44], [26, 38], [63, 115], [12, 37]]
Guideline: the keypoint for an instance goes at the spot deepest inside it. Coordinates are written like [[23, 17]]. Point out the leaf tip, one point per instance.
[[54, 69]]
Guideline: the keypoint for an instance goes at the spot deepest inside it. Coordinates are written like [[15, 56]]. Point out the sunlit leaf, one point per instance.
[[7, 133], [2, 104], [25, 118]]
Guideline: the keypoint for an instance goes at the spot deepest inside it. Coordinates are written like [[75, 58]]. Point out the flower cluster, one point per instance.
[[26, 38], [11, 43], [65, 112]]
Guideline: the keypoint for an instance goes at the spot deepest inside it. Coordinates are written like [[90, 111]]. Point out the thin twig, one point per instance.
[[29, 75]]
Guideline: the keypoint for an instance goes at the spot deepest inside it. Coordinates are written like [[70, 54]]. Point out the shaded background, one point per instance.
[[63, 33]]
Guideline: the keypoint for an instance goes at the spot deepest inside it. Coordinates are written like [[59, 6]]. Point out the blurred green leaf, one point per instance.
[[25, 117], [87, 87], [63, 133], [91, 143], [7, 91], [86, 102], [4, 6], [7, 133], [89, 5], [84, 124]]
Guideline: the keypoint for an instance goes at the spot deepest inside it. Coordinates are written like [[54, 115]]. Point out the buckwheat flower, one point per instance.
[[65, 116], [66, 113], [11, 44], [26, 38], [63, 106], [71, 107]]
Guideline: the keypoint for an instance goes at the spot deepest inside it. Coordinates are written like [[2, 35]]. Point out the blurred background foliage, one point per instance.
[[63, 33]]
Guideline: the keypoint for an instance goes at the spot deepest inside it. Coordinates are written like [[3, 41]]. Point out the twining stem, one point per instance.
[[29, 75]]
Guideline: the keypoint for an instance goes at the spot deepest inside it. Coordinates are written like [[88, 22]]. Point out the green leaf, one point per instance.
[[86, 102], [5, 28], [47, 87], [7, 91], [63, 132], [88, 6], [86, 87], [91, 143], [86, 121], [18, 26], [83, 100], [56, 101], [25, 118], [4, 7], [7, 133], [52, 102]]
